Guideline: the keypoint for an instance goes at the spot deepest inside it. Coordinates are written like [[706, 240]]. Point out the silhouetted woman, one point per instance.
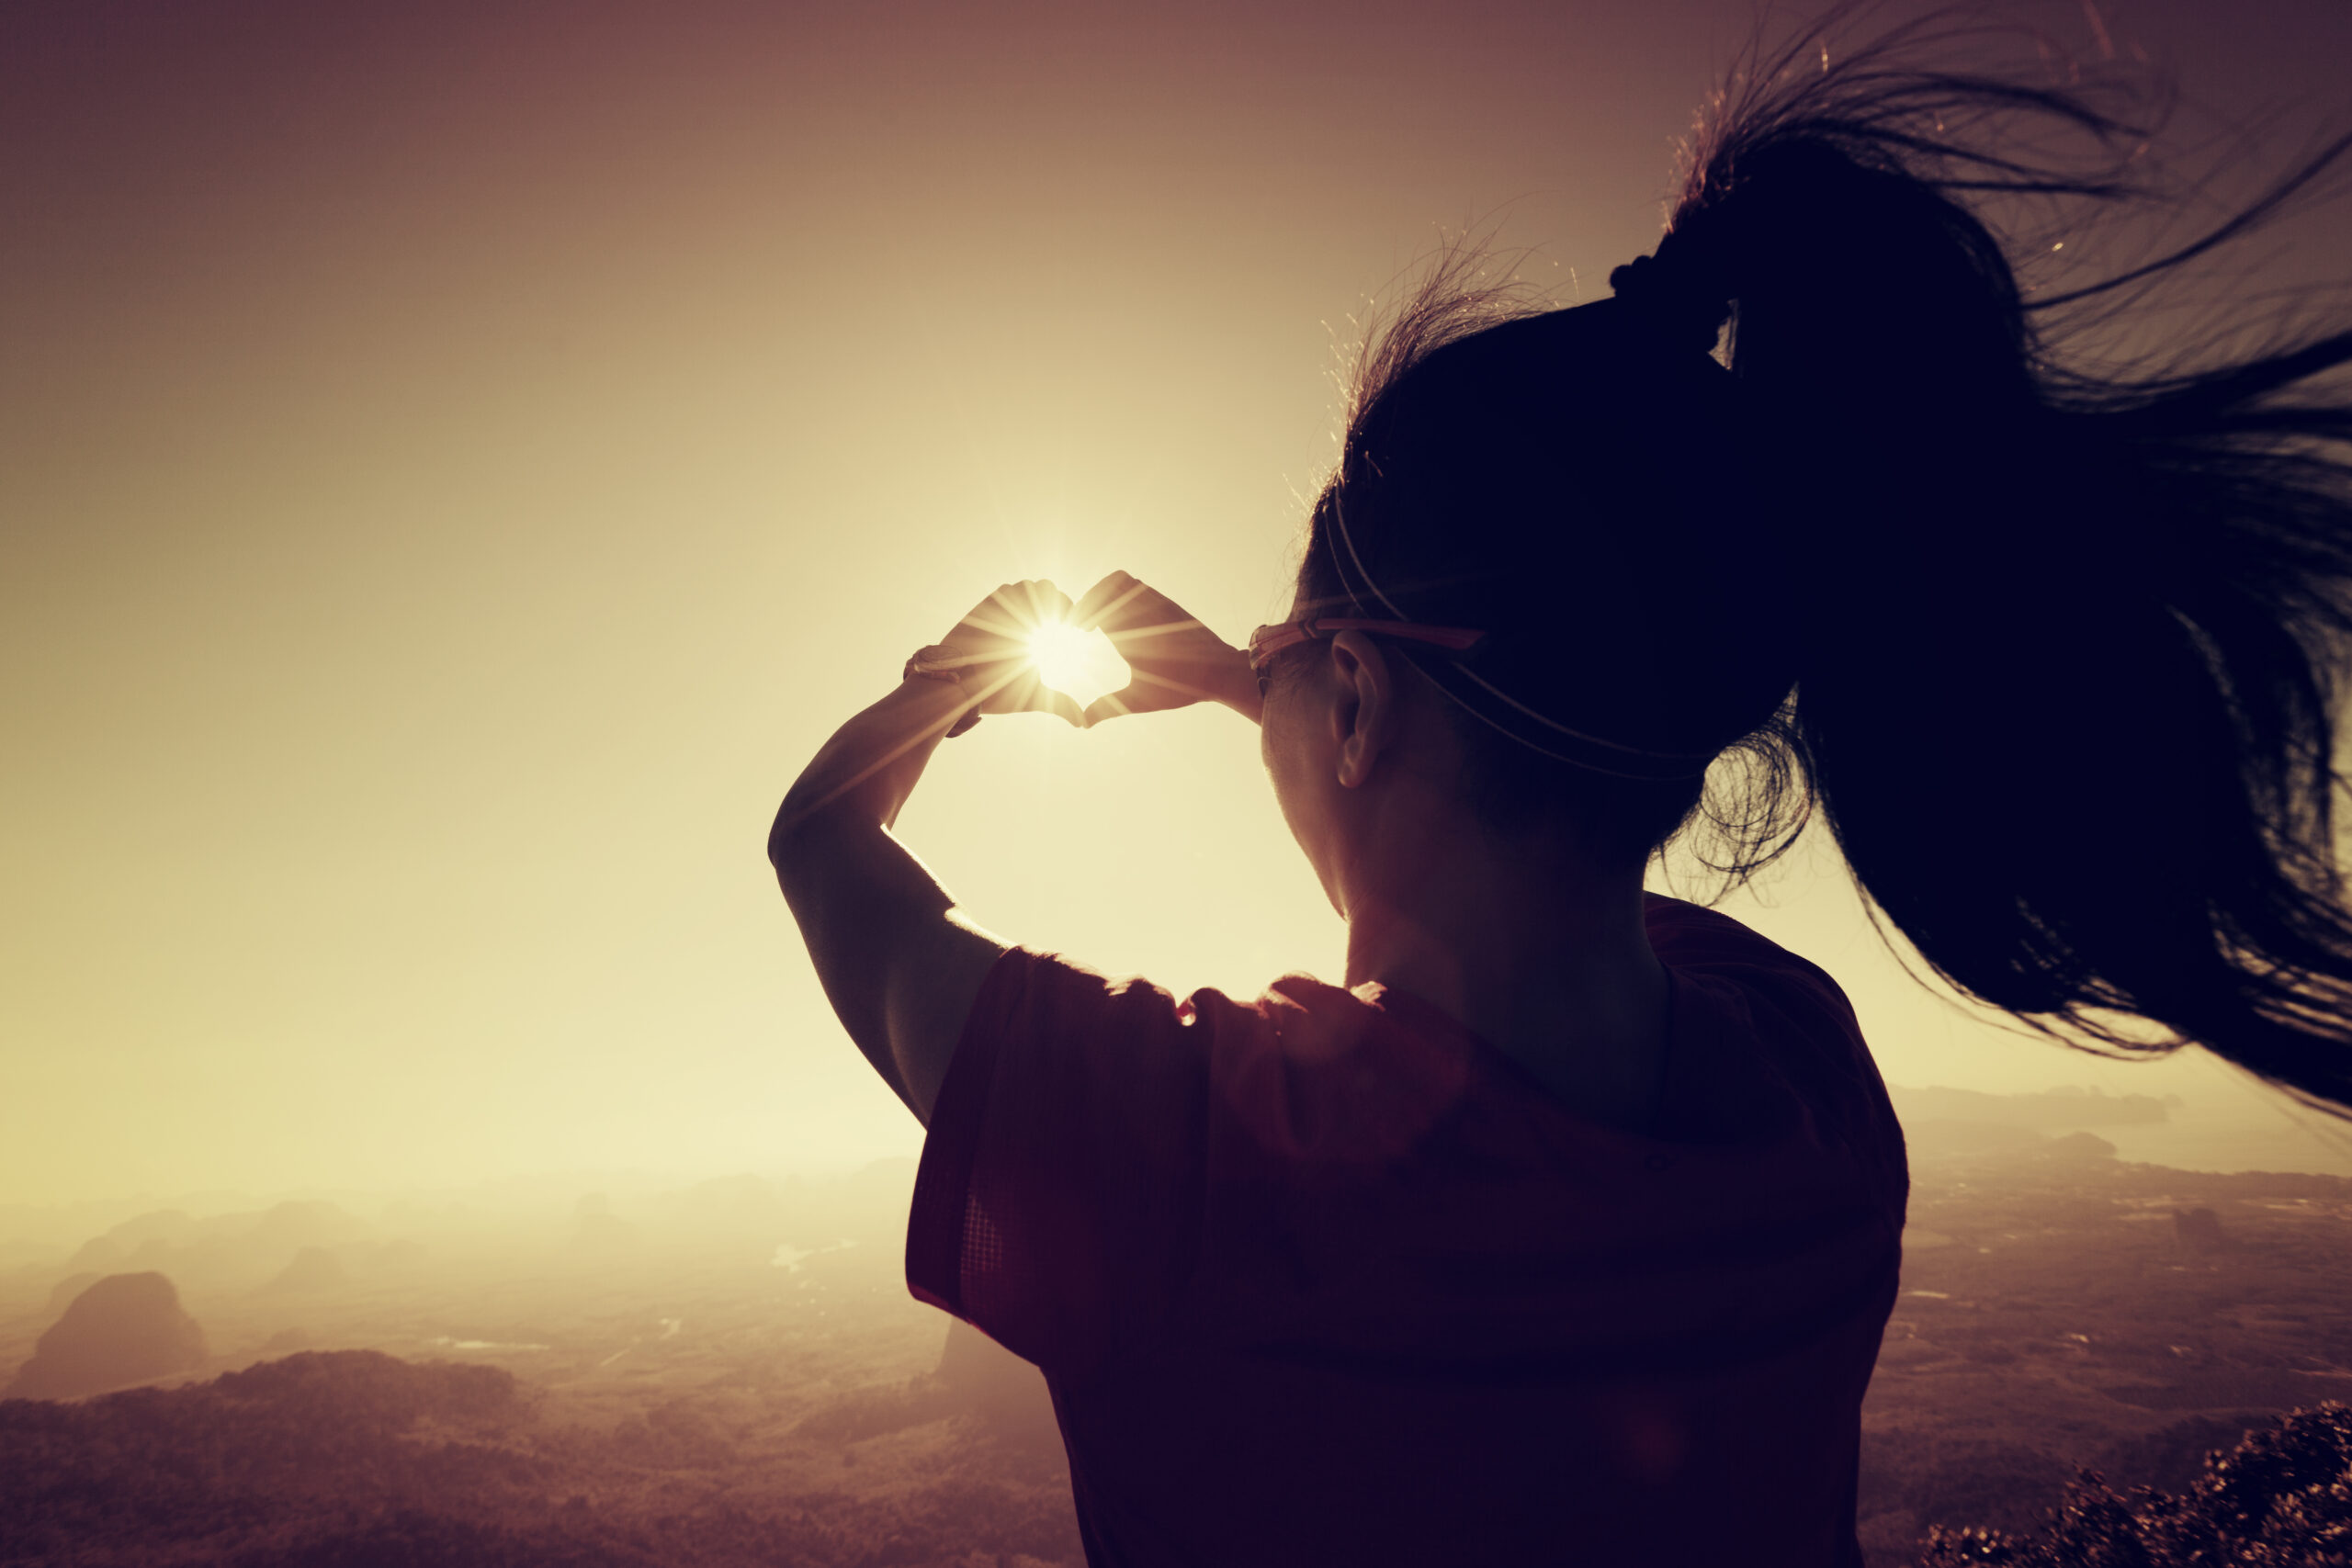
[[1567, 1230]]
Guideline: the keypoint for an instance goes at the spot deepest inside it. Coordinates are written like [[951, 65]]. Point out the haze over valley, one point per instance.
[[731, 1371]]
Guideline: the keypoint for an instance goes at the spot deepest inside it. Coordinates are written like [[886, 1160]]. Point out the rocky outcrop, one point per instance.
[[125, 1328], [2078, 1146], [1004, 1392], [978, 1381]]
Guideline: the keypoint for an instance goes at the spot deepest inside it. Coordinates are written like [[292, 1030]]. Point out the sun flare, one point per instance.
[[1081, 664]]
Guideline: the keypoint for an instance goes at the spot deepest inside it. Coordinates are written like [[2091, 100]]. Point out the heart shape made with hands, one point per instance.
[[1077, 661]]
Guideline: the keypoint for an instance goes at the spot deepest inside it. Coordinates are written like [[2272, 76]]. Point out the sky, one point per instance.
[[457, 460]]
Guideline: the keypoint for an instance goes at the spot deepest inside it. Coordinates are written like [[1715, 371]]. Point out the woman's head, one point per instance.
[[2052, 650], [1572, 483]]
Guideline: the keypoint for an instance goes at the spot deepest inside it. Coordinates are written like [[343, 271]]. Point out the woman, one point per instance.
[[1567, 1230]]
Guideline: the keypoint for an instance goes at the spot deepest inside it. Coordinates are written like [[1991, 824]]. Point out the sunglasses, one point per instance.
[[1267, 641]]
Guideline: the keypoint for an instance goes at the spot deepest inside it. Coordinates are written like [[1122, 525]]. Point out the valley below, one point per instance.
[[734, 1373]]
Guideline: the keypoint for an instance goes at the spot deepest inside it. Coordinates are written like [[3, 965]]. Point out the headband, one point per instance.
[[1496, 707]]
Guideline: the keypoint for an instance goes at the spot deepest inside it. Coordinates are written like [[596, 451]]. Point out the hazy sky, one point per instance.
[[458, 459]]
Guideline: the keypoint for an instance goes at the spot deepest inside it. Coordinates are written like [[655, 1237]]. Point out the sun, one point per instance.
[[1077, 662]]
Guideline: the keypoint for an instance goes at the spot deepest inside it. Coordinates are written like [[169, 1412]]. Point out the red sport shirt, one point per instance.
[[1327, 1279]]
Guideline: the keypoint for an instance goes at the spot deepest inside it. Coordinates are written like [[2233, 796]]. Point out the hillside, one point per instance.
[[357, 1458], [2069, 1309]]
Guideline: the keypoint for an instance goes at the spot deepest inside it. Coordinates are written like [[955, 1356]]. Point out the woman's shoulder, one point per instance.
[[1702, 944], [1698, 933], [1293, 1008], [1750, 1008]]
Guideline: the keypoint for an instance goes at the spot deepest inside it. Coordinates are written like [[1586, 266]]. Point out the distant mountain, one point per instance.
[[235, 1251], [2260, 1129], [598, 1230], [123, 1329], [315, 1268], [167, 1227], [868, 1204], [2063, 1110]]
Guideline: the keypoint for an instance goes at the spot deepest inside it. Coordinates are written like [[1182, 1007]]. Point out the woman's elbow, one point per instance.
[[790, 835]]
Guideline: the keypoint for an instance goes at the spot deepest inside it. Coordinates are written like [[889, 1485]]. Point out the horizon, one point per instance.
[[2249, 1142]]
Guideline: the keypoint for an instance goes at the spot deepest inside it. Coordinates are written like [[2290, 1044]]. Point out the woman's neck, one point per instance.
[[1527, 947]]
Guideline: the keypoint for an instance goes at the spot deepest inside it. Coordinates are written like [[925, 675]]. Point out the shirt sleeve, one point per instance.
[[1807, 1027], [1060, 1187]]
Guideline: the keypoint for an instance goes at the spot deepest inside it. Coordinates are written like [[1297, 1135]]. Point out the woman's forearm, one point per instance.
[[867, 770]]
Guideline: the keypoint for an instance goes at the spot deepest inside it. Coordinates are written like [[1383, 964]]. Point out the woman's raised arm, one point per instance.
[[899, 963]]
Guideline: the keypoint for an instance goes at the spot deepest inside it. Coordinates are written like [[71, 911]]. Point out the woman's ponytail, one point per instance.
[[2073, 642]]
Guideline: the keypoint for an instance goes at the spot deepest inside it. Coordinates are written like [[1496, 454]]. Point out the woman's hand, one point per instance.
[[991, 651], [1175, 659]]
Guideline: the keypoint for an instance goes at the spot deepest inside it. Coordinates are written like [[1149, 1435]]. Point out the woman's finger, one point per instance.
[[1109, 707], [1120, 605], [1000, 630], [1043, 603], [1140, 620], [1105, 599]]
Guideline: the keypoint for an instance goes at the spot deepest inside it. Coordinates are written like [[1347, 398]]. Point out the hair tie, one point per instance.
[[1667, 291]]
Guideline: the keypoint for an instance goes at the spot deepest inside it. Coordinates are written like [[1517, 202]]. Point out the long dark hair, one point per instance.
[[2053, 649]]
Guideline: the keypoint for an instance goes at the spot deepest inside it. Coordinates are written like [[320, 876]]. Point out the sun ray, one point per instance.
[[1077, 661], [918, 736]]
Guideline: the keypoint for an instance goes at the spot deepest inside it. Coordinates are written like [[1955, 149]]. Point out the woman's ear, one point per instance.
[[1364, 708]]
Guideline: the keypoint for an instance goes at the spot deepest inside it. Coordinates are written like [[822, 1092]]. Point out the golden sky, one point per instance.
[[457, 460]]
